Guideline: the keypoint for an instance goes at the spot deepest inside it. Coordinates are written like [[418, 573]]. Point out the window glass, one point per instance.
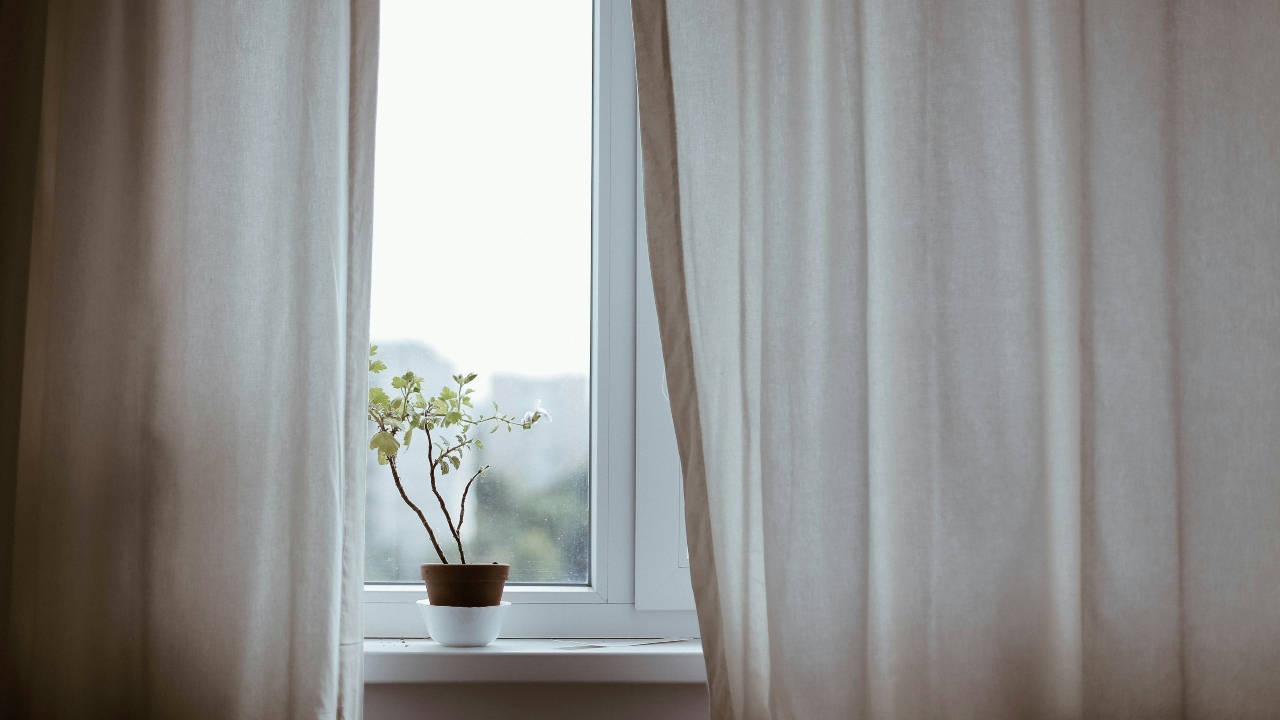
[[482, 263]]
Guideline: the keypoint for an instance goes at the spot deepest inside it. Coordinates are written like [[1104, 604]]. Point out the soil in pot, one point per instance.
[[459, 585]]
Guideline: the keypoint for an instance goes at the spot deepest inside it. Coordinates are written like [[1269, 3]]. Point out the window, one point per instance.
[[505, 213], [482, 263]]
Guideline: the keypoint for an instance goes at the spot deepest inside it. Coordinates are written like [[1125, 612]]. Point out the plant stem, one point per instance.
[[463, 512], [499, 418], [444, 455], [444, 508], [396, 474]]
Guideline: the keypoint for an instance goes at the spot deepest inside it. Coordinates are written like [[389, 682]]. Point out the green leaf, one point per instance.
[[377, 396], [466, 401], [447, 394], [444, 468], [377, 366], [397, 382], [452, 418], [408, 436], [384, 442], [456, 462], [495, 429], [382, 459], [373, 350], [471, 377]]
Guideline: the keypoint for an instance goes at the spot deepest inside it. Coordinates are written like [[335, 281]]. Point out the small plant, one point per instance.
[[406, 410]]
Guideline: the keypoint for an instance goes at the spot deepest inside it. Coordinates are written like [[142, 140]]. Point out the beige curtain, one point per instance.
[[186, 218], [971, 315]]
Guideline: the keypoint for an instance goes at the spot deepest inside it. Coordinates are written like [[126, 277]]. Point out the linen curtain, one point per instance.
[[186, 218], [971, 318]]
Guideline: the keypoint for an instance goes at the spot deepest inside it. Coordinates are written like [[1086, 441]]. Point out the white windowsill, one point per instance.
[[531, 660]]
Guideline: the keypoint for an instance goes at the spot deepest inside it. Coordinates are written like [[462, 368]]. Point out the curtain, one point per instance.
[[971, 319], [186, 218]]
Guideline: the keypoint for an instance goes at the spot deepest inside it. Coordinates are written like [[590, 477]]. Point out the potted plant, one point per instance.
[[464, 599]]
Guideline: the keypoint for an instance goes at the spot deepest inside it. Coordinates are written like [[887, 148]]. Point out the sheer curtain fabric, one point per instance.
[[183, 486], [971, 315]]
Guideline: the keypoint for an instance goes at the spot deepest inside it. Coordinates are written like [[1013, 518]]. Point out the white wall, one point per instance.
[[536, 701]]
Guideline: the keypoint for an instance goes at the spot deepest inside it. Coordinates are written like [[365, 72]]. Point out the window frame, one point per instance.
[[606, 605]]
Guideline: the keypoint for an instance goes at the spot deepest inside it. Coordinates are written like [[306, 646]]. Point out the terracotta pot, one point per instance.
[[458, 585]]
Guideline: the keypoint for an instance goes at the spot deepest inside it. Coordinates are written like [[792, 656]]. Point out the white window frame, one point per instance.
[[635, 580]]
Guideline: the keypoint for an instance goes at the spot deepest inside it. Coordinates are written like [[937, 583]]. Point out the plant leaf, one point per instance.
[[385, 443]]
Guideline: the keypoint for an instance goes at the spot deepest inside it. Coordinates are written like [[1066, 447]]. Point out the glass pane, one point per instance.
[[482, 263]]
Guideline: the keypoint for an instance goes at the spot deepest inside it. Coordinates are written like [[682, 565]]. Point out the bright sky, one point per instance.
[[482, 191]]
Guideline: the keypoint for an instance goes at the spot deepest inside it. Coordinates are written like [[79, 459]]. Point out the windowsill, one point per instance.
[[532, 660]]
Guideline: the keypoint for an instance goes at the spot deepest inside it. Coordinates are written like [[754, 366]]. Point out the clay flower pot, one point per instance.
[[464, 606], [458, 585]]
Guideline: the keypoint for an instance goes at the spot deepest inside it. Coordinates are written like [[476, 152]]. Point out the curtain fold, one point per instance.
[[666, 260], [188, 500], [974, 309]]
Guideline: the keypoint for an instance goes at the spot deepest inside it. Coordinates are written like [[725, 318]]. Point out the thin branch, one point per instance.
[[444, 508], [396, 474], [449, 450], [462, 513], [482, 420]]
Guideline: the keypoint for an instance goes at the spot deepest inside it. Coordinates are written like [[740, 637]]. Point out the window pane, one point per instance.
[[482, 263]]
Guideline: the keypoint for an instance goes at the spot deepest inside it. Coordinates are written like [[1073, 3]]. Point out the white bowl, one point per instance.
[[463, 626]]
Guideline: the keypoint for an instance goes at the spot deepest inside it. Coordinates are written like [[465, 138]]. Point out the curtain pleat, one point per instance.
[[188, 502], [975, 312], [363, 81], [666, 261]]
